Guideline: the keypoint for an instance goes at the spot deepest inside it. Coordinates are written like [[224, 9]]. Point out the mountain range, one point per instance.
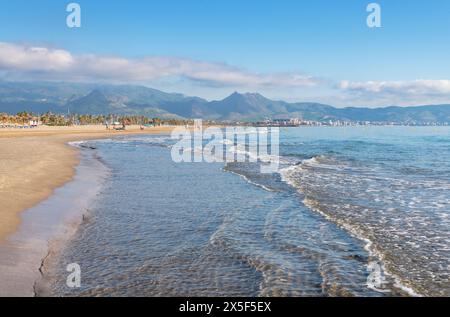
[[139, 100]]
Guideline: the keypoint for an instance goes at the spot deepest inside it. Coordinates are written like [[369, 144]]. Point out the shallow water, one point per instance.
[[345, 201]]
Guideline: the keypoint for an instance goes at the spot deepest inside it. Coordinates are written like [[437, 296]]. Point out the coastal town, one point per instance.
[[26, 120]]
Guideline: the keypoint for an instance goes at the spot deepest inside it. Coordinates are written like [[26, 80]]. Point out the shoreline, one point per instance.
[[33, 163], [41, 176], [47, 227]]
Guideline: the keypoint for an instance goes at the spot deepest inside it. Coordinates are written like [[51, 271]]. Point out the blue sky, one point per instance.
[[323, 46]]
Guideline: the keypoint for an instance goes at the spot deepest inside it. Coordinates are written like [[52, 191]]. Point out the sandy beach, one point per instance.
[[33, 163]]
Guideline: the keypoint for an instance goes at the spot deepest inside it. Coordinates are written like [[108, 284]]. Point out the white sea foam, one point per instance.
[[369, 247], [290, 175], [250, 181]]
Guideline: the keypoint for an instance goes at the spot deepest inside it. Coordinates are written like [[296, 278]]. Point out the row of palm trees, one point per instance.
[[21, 118], [51, 119]]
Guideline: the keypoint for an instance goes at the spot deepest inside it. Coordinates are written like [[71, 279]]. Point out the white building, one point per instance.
[[34, 123]]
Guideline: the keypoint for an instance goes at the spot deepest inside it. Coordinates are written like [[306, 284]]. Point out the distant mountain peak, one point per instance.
[[246, 96], [96, 93], [94, 102]]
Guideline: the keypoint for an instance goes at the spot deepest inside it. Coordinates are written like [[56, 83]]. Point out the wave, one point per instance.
[[370, 247], [248, 180], [290, 175]]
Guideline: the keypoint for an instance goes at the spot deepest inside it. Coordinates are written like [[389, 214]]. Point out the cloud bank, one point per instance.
[[29, 63], [20, 61]]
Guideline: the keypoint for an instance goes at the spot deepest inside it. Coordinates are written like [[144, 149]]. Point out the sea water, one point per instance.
[[353, 211]]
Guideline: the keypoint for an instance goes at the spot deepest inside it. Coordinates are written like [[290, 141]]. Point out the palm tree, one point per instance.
[[23, 117]]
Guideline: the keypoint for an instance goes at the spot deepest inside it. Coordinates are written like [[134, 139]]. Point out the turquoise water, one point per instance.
[[348, 204]]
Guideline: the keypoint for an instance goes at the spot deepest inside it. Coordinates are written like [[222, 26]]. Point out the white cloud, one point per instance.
[[19, 61], [34, 58], [416, 87]]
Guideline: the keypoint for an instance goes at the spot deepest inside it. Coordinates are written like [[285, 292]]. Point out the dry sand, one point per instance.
[[33, 163]]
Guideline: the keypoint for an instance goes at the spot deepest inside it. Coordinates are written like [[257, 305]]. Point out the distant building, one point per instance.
[[281, 122], [34, 123]]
